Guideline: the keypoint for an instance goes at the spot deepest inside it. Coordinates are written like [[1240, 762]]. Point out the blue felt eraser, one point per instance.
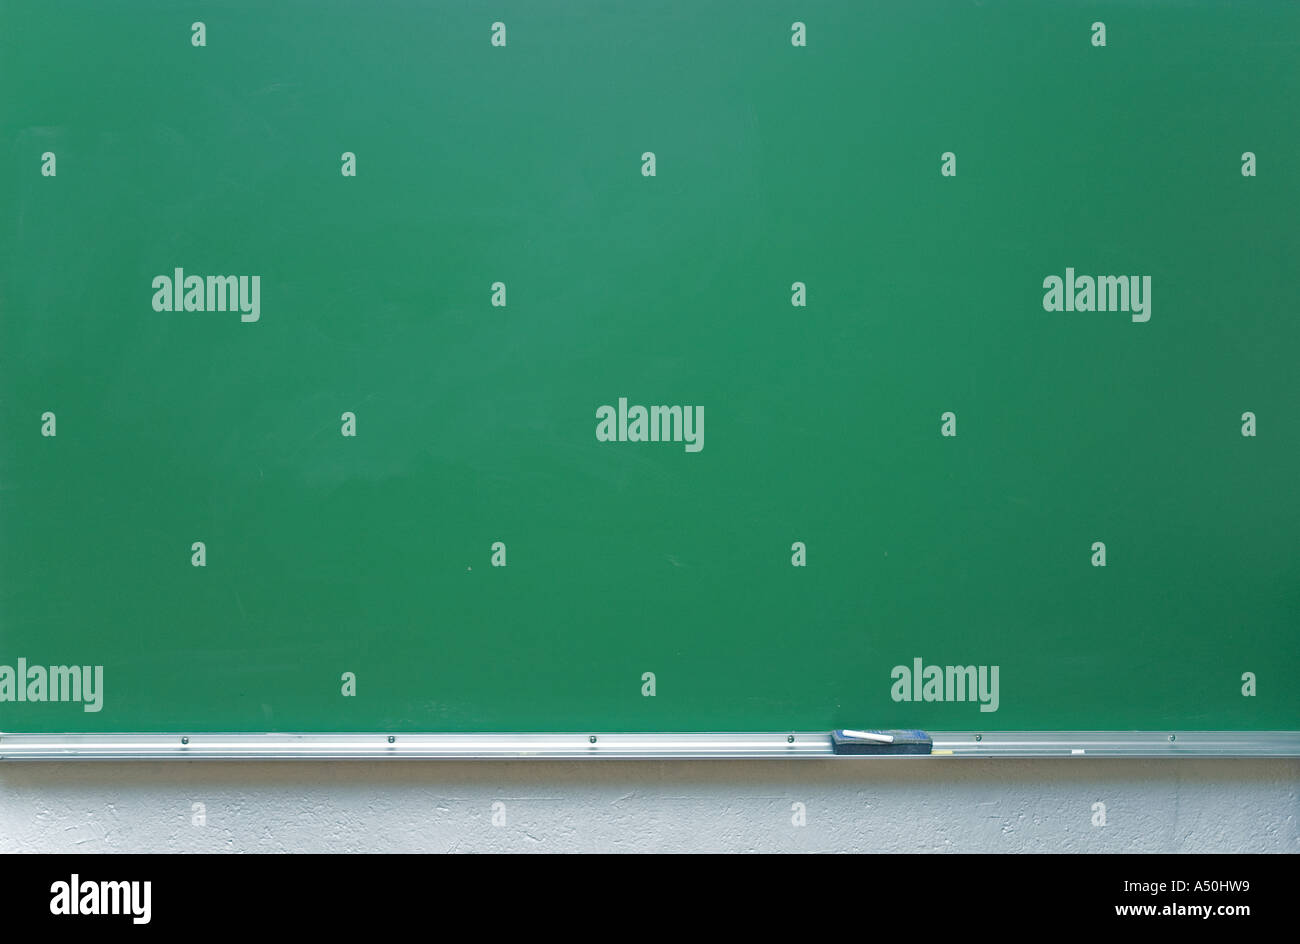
[[872, 741]]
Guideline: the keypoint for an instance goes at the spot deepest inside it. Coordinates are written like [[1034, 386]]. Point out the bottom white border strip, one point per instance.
[[632, 746]]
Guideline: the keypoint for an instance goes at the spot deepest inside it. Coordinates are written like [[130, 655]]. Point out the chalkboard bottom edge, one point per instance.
[[637, 746]]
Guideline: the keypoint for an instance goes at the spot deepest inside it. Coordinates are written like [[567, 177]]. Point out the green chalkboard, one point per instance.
[[676, 367]]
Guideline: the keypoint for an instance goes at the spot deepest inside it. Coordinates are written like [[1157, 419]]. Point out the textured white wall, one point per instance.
[[867, 805]]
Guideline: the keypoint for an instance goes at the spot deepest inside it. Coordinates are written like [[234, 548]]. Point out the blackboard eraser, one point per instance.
[[850, 741]]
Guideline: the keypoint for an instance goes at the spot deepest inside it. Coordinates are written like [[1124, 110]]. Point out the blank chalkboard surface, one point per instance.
[[649, 367]]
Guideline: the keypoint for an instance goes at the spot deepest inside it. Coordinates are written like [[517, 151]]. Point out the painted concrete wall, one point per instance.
[[866, 805]]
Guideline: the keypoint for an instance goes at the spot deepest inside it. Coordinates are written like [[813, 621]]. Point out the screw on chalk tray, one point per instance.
[[979, 737], [391, 739], [185, 740], [592, 739], [1171, 737], [789, 738]]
